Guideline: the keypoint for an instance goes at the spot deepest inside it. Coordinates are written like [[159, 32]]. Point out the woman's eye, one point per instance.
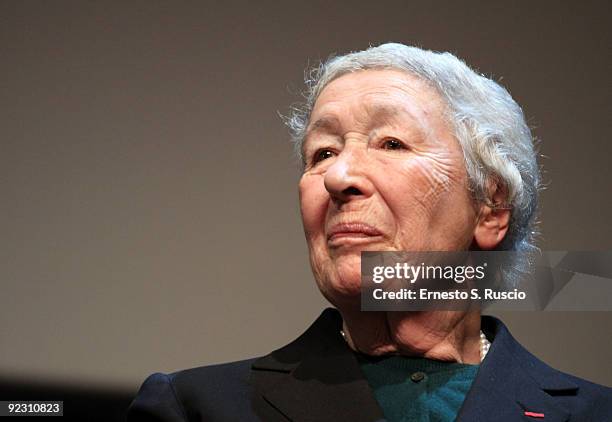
[[321, 155], [393, 144]]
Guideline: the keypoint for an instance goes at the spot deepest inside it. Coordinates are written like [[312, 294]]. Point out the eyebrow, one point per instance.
[[323, 124], [385, 111]]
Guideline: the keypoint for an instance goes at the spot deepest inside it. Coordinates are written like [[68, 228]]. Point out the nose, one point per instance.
[[346, 179]]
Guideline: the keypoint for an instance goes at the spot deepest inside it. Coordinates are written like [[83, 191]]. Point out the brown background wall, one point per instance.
[[149, 205]]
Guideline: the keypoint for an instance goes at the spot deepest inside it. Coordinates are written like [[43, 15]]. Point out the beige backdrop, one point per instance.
[[149, 205]]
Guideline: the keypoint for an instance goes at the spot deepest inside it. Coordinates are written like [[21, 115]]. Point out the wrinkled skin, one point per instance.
[[380, 155]]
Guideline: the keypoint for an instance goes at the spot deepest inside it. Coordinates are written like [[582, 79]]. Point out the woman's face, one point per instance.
[[383, 172]]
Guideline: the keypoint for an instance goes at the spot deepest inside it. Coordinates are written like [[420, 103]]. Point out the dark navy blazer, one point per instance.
[[317, 378]]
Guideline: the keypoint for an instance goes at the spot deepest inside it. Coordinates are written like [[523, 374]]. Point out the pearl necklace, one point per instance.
[[485, 344]]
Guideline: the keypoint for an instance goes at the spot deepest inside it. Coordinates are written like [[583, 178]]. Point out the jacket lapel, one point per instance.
[[512, 384], [315, 378]]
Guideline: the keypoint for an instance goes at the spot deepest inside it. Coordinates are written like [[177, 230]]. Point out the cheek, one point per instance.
[[313, 205], [425, 194], [417, 184]]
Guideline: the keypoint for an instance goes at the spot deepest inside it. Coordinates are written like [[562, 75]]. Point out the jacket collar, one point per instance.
[[318, 378]]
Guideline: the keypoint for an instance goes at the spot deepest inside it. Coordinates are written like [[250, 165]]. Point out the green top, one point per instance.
[[418, 389]]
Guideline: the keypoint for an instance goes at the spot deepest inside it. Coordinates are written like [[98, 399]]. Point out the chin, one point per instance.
[[347, 286], [342, 283], [339, 276]]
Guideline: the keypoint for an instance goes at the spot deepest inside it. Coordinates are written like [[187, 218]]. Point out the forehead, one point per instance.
[[376, 94]]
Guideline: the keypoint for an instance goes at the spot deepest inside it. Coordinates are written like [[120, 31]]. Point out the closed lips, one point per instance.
[[353, 230]]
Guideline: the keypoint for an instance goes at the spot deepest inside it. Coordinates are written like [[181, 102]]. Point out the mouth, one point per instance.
[[352, 234]]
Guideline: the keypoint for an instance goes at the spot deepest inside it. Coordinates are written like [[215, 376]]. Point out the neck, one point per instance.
[[440, 335]]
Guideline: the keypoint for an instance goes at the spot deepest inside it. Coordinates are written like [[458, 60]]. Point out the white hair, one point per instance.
[[490, 126]]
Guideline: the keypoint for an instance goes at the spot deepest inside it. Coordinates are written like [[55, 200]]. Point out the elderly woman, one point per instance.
[[403, 150]]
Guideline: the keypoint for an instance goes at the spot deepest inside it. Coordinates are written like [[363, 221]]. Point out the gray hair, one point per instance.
[[490, 126]]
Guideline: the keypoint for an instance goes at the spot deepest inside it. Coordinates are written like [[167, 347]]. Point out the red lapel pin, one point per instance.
[[534, 414]]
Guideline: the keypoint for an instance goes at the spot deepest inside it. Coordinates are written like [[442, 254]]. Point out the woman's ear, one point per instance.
[[493, 220]]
